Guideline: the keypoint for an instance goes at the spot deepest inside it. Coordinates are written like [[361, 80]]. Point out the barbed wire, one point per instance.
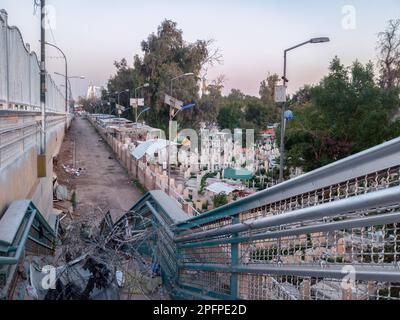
[[114, 246]]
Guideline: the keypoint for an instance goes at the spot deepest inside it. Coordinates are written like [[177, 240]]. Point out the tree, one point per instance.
[[210, 103], [220, 200], [125, 78], [267, 94], [231, 114], [267, 89], [389, 60], [302, 96], [167, 55], [348, 112]]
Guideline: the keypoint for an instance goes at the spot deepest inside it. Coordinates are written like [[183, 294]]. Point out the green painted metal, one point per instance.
[[235, 263], [33, 221], [21, 245], [189, 236]]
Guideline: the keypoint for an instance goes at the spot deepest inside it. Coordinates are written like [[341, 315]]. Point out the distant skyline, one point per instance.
[[251, 35]]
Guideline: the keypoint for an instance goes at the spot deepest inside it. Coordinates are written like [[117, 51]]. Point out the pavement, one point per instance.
[[103, 185]]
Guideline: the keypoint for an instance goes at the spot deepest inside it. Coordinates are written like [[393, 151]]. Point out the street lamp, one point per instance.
[[143, 111], [285, 81], [108, 106], [179, 77], [146, 85], [69, 82], [119, 94], [171, 117], [66, 73]]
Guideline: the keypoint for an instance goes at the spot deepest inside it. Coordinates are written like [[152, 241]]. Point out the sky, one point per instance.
[[251, 34]]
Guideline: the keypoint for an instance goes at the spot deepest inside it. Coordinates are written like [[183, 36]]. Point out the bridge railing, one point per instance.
[[20, 74], [330, 234]]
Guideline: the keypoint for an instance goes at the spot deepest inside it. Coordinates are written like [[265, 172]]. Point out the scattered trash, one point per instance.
[[102, 260], [73, 171], [85, 278]]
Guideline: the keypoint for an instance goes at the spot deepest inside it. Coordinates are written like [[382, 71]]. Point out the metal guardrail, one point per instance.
[[20, 75], [331, 234], [34, 228]]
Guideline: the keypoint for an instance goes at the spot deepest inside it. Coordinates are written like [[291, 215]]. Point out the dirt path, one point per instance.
[[104, 184]]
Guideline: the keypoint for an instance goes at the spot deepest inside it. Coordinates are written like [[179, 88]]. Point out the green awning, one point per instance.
[[238, 174]]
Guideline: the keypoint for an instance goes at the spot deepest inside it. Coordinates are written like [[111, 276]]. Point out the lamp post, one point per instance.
[[171, 117], [107, 95], [119, 94], [143, 111], [283, 120], [66, 73], [146, 85], [68, 79]]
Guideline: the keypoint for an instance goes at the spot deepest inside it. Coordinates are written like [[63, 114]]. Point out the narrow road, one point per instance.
[[104, 185]]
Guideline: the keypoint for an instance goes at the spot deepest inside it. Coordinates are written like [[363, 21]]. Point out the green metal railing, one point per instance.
[[331, 234], [33, 228]]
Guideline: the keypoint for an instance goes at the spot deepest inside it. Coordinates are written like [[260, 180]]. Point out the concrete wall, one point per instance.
[[18, 179]]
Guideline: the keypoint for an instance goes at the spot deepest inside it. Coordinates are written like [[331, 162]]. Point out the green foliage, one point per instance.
[[203, 183], [220, 200], [247, 112], [139, 186], [348, 112], [166, 55]]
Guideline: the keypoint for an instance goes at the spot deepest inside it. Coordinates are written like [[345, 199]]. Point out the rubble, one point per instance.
[[73, 171], [102, 262]]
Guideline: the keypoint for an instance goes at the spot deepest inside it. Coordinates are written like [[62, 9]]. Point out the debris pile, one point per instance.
[[73, 171], [105, 262]]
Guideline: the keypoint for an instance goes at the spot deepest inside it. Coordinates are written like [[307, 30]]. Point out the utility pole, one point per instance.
[[43, 74], [42, 157], [283, 124], [66, 74], [283, 120]]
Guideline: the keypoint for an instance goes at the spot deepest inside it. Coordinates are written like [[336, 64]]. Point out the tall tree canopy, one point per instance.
[[165, 55], [348, 112], [389, 59]]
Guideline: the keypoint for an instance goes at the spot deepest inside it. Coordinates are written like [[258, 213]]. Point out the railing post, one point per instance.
[[28, 47], [235, 263], [4, 16]]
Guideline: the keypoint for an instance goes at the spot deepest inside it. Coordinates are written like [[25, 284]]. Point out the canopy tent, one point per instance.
[[150, 147], [221, 188], [237, 174]]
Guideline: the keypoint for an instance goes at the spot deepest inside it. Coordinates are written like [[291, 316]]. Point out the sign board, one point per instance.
[[137, 103], [171, 101], [280, 94]]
